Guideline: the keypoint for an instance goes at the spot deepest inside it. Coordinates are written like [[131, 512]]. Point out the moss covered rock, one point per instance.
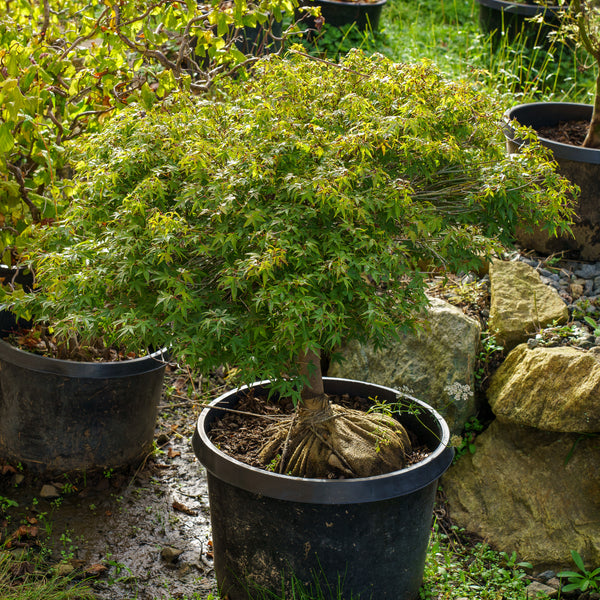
[[535, 492], [521, 303], [553, 389], [435, 365]]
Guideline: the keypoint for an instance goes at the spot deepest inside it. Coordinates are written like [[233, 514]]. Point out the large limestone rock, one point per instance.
[[554, 389], [521, 303], [436, 366], [531, 491]]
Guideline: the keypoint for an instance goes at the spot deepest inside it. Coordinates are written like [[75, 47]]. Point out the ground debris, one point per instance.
[[178, 506]]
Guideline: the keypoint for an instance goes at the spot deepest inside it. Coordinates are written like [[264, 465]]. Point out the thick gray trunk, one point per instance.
[[313, 393]]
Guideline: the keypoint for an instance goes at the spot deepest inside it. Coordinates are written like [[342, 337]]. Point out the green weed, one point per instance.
[[23, 580], [453, 571], [582, 581]]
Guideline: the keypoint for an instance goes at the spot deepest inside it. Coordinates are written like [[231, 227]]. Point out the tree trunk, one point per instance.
[[324, 440], [313, 393], [592, 140]]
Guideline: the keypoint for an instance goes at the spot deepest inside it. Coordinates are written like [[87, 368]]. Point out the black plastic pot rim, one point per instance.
[[349, 4], [323, 491], [82, 369], [519, 8], [559, 149]]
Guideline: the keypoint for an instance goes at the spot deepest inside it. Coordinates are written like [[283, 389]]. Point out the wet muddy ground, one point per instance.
[[141, 534]]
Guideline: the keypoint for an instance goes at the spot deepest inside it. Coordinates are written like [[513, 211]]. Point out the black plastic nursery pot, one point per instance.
[[580, 165], [365, 15], [14, 277], [514, 19], [362, 538], [61, 415], [257, 41]]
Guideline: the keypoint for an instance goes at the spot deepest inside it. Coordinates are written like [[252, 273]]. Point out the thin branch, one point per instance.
[[185, 44], [9, 228], [58, 124], [156, 54], [82, 38], [234, 411], [16, 171], [330, 63], [86, 113], [46, 21]]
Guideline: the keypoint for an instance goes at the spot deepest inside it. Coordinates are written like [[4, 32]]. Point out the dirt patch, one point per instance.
[[141, 533]]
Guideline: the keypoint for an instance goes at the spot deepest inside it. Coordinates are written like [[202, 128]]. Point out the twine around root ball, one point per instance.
[[336, 442]]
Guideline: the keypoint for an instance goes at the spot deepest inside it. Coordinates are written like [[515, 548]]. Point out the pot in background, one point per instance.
[[513, 19], [62, 415], [580, 165], [365, 15]]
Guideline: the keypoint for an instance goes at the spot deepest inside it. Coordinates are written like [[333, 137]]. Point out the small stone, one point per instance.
[[546, 273], [597, 283], [587, 271], [18, 478], [63, 569], [547, 575], [49, 492], [170, 554], [576, 290], [163, 438], [532, 343], [535, 588], [554, 582], [530, 261], [588, 287]]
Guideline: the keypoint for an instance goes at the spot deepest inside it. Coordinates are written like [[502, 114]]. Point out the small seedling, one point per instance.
[[68, 488], [6, 503], [583, 581], [472, 428], [273, 464], [490, 349], [511, 561], [68, 550], [119, 568], [593, 324]]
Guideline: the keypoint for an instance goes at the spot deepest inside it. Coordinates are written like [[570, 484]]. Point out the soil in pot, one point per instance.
[[40, 340], [566, 132], [241, 434]]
